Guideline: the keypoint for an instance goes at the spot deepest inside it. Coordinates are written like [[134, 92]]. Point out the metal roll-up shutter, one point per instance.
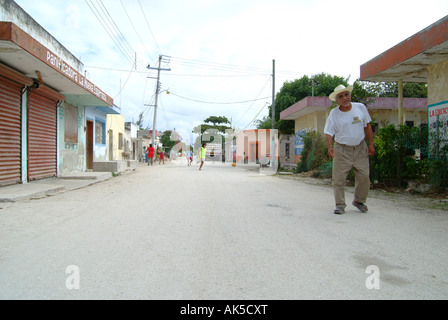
[[42, 134], [10, 131]]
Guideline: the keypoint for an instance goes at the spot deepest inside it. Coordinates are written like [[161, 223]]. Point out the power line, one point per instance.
[[208, 64], [147, 23], [108, 23], [256, 116], [108, 30], [235, 68], [254, 101], [138, 35], [118, 70], [186, 75], [214, 102], [218, 75], [123, 85]]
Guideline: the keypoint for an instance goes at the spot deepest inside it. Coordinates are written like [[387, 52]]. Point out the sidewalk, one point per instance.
[[46, 187]]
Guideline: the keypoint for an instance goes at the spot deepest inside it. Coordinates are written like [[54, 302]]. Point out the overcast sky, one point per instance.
[[222, 50]]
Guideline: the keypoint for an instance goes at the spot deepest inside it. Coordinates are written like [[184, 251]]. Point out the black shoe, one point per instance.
[[339, 210]]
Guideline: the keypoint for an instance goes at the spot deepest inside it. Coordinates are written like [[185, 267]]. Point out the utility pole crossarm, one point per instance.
[[159, 68]]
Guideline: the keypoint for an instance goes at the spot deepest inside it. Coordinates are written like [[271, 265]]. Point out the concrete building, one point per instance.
[[422, 57], [115, 152], [131, 140], [252, 146], [44, 101], [97, 134], [311, 113]]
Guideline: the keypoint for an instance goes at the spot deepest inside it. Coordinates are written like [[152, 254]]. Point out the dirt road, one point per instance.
[[174, 232]]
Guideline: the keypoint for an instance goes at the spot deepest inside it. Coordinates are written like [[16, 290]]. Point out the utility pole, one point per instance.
[[159, 68]]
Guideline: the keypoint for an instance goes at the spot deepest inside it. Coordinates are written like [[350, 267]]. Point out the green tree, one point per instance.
[[166, 140], [215, 120], [265, 123], [363, 92], [291, 92], [139, 122], [212, 122], [390, 89]]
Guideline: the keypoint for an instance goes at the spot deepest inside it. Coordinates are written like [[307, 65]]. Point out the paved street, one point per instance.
[[174, 232]]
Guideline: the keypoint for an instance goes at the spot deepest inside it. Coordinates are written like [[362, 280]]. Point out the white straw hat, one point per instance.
[[340, 88]]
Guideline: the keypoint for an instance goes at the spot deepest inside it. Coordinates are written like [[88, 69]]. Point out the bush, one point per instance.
[[394, 162], [315, 152], [438, 173]]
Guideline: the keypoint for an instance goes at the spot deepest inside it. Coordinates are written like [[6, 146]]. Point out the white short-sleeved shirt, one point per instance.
[[348, 127]]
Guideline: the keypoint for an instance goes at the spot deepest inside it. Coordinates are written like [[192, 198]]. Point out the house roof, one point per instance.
[[312, 104], [22, 52], [409, 60], [305, 106]]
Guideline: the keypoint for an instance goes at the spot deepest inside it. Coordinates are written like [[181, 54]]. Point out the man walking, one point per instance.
[[349, 124]]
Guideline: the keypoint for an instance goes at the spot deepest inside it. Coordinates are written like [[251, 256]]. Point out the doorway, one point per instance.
[[89, 145]]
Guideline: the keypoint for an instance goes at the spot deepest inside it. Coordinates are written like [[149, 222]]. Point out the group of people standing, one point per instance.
[[150, 154]]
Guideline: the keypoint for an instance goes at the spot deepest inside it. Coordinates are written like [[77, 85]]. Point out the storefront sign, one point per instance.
[[438, 128], [11, 33], [58, 63]]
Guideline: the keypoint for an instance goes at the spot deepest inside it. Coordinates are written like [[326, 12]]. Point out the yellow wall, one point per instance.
[[438, 82], [115, 122], [316, 120]]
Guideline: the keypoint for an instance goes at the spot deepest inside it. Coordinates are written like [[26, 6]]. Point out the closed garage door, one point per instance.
[[41, 136], [10, 131]]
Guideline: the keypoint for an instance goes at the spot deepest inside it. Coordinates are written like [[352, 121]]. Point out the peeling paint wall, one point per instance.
[[71, 155], [98, 117], [438, 83]]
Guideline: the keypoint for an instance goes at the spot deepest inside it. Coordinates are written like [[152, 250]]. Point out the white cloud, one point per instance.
[[209, 38]]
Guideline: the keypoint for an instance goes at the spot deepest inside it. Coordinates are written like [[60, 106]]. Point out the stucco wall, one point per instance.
[[71, 155], [115, 125], [306, 122], [386, 117], [438, 83], [99, 150], [316, 120]]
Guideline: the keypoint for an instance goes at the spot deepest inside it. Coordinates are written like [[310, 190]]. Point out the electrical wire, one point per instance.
[[147, 23], [220, 66], [138, 35], [214, 102], [254, 100], [123, 85], [256, 116], [103, 16], [110, 32]]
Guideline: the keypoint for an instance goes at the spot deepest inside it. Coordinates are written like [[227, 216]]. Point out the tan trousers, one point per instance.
[[345, 158]]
